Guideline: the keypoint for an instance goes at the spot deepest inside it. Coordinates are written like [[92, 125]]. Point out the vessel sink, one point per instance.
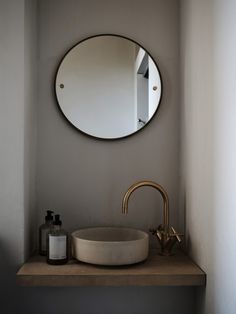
[[110, 245]]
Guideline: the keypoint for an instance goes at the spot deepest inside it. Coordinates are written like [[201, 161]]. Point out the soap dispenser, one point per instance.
[[43, 231], [57, 244]]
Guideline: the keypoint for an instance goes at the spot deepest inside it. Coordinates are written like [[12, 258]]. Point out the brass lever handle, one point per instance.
[[157, 233], [175, 234]]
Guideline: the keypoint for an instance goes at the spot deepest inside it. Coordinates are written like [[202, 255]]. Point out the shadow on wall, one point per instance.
[[8, 290], [201, 299], [115, 300], [188, 248]]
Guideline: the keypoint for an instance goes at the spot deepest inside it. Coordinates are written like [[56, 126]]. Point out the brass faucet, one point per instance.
[[166, 238]]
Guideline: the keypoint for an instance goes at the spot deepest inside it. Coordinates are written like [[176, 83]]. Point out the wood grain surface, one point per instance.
[[177, 270]]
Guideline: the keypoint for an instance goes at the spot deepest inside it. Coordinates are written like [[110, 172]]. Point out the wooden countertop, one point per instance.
[[177, 270]]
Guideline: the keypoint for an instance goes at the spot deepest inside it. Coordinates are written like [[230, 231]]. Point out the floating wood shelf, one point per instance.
[[177, 270]]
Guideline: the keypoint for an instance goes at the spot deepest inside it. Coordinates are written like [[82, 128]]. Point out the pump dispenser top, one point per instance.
[[57, 221], [49, 215]]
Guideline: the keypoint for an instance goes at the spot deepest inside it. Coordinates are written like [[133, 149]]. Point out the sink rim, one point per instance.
[[138, 231]]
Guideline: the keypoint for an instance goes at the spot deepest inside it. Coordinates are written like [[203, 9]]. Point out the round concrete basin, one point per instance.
[[110, 245]]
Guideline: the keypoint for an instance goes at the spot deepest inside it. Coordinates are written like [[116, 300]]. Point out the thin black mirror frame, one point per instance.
[[78, 129]]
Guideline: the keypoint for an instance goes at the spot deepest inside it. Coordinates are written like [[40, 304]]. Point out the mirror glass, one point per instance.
[[108, 86]]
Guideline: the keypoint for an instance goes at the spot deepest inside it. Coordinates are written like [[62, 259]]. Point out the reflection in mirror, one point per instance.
[[108, 86]]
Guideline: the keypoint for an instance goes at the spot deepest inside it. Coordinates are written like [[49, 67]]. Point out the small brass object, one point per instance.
[[61, 85], [166, 238], [154, 88]]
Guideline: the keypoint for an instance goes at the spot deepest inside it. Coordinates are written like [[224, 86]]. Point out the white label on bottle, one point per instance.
[[57, 247]]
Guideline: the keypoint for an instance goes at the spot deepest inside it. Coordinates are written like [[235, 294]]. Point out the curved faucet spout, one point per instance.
[[163, 194], [166, 238]]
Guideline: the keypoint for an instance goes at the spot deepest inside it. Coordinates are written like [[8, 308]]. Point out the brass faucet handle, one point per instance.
[[152, 230], [156, 233], [175, 234], [159, 229]]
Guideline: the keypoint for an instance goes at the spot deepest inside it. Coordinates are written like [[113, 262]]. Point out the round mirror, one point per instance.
[[108, 86]]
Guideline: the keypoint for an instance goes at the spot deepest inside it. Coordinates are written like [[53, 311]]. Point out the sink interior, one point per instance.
[[109, 234]]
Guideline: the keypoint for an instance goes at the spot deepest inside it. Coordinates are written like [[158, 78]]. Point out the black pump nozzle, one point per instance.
[[49, 215], [57, 220]]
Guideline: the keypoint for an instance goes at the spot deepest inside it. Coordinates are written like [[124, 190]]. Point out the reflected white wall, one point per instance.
[[98, 93], [154, 88]]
